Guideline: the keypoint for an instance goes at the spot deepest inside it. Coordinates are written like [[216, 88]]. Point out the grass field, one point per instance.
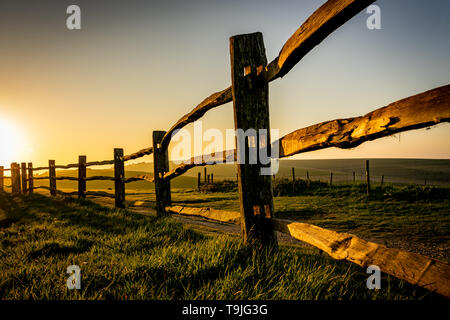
[[124, 255], [410, 217]]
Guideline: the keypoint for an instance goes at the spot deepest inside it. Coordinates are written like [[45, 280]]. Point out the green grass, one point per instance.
[[411, 213], [123, 255]]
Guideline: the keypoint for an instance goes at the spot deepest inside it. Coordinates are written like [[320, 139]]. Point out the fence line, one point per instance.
[[417, 269], [249, 93], [316, 28]]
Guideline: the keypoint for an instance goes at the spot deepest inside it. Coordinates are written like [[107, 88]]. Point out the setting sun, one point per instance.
[[10, 142]]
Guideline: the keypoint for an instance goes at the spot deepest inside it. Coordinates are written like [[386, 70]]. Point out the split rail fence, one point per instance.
[[251, 75]]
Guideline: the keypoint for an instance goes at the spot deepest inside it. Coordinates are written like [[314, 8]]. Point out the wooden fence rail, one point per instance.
[[251, 74], [414, 268]]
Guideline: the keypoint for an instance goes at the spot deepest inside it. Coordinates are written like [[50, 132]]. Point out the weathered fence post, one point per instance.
[[331, 179], [15, 178], [52, 177], [208, 178], [212, 178], [2, 183], [368, 177], [354, 177], [161, 166], [205, 173], [30, 178], [382, 180], [199, 180], [24, 177], [81, 177], [119, 178], [251, 111]]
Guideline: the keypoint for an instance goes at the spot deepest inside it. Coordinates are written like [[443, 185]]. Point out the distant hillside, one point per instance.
[[179, 182], [435, 171]]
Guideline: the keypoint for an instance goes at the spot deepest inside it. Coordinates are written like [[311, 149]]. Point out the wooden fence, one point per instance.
[[251, 75]]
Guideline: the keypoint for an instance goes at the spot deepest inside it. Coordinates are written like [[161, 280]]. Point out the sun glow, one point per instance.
[[10, 142]]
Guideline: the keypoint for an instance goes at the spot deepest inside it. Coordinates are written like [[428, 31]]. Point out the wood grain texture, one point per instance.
[[251, 112], [203, 160], [52, 177], [419, 111], [316, 28], [214, 100], [325, 20], [419, 270], [140, 177], [138, 154], [209, 213]]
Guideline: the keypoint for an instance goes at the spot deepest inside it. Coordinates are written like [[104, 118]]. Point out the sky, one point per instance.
[[138, 66]]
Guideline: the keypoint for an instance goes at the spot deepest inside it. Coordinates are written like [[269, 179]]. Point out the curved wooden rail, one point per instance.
[[324, 21], [214, 100], [417, 269], [99, 163], [419, 111], [227, 156], [316, 28], [415, 112], [140, 177], [138, 154]]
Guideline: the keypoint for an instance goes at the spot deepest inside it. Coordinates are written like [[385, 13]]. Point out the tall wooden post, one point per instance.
[[24, 177], [251, 111], [2, 175], [354, 177], [52, 177], [204, 169], [198, 180], [208, 178], [30, 178], [161, 166], [81, 177], [382, 180], [212, 178], [368, 177], [119, 178], [331, 179], [15, 178]]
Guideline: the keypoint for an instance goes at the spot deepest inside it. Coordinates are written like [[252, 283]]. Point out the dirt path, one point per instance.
[[438, 251]]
